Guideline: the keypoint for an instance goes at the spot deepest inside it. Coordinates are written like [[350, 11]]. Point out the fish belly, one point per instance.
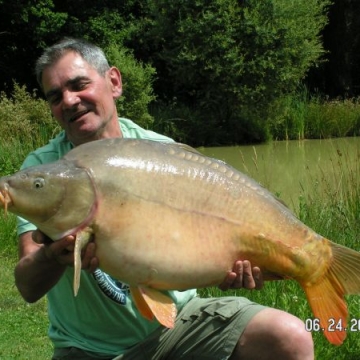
[[164, 247]]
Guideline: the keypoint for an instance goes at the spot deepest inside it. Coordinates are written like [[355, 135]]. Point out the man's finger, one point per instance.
[[228, 281], [88, 259], [257, 274], [239, 271], [248, 280]]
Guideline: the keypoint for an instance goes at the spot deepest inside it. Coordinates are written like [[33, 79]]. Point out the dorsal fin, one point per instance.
[[188, 148]]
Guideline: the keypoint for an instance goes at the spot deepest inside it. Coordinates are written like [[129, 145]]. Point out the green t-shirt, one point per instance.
[[102, 318]]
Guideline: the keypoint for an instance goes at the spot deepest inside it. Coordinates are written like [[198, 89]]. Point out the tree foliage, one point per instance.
[[25, 27], [137, 81], [229, 61]]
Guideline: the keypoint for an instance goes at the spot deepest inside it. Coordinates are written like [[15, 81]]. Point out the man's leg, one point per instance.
[[205, 329], [274, 334], [227, 328]]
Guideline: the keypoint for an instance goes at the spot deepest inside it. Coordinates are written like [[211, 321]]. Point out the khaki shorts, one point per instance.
[[206, 328]]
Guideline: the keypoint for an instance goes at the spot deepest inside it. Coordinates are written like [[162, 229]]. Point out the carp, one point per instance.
[[165, 217]]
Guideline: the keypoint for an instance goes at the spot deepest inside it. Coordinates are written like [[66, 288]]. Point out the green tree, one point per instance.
[[137, 81], [220, 64], [25, 27], [228, 60]]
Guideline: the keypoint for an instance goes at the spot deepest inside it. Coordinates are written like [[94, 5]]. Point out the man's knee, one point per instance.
[[275, 334]]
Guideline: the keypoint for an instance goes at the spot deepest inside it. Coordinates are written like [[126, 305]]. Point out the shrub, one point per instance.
[[25, 124], [137, 85]]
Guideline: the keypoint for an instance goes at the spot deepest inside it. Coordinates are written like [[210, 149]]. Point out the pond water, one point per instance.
[[291, 169]]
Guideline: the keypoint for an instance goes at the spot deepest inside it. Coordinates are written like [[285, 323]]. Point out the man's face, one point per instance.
[[81, 100]]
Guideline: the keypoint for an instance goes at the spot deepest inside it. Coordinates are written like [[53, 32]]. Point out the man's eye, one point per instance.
[[54, 100], [80, 86]]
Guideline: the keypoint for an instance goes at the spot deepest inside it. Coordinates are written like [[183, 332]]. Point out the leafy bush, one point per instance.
[[137, 85], [26, 117], [25, 124]]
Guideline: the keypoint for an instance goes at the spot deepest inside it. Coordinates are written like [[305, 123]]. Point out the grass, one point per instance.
[[23, 327]]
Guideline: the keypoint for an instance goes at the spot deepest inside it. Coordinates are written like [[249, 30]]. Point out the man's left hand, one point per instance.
[[243, 276]]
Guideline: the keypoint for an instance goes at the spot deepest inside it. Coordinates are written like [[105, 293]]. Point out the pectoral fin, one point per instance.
[[151, 302], [82, 238]]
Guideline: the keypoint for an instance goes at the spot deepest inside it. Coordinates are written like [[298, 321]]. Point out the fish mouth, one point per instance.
[[5, 199], [76, 116]]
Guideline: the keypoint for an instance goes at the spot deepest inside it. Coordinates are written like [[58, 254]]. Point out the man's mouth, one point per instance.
[[77, 115]]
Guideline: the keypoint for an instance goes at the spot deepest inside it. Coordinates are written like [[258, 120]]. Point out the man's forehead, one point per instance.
[[68, 63], [68, 68]]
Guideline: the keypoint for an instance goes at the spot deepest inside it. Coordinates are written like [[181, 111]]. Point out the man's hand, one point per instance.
[[243, 276], [62, 251]]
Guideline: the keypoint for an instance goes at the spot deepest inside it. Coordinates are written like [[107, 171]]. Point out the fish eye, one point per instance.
[[39, 183]]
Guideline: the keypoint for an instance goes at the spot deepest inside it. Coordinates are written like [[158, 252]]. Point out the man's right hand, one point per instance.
[[42, 262], [62, 251]]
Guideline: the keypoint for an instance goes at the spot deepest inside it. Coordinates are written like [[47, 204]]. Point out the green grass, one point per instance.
[[23, 327]]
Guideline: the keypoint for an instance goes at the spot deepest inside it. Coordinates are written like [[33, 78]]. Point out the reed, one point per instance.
[[304, 116], [334, 118]]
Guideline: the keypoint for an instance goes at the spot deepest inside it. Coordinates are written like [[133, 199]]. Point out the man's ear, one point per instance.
[[116, 82]]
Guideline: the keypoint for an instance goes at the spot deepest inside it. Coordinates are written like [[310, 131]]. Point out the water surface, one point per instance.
[[291, 169]]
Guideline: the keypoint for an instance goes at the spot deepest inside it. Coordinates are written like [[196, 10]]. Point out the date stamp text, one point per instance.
[[332, 325]]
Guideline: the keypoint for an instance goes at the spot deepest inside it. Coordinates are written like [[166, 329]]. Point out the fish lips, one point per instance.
[[5, 199]]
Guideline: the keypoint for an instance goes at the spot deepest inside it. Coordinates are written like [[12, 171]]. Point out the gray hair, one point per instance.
[[91, 53]]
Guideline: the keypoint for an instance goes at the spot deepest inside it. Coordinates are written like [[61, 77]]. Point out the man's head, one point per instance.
[[81, 89], [92, 54]]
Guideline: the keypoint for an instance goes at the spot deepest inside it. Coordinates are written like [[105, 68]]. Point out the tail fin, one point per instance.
[[326, 298]]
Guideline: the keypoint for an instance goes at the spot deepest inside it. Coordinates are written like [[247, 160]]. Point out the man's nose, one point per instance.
[[70, 98]]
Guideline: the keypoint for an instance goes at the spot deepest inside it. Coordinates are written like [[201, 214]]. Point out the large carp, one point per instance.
[[166, 217]]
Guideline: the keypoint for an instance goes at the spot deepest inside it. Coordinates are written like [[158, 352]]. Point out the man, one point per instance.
[[102, 322]]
